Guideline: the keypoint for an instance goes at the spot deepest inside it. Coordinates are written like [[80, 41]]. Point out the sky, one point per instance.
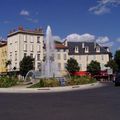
[[73, 19]]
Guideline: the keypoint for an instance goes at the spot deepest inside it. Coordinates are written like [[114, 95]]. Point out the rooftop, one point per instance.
[[20, 29]]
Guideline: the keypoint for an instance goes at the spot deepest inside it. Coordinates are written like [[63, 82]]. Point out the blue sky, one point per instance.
[[100, 18]]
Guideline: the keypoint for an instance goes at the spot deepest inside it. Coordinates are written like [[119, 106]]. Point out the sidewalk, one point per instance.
[[21, 89]]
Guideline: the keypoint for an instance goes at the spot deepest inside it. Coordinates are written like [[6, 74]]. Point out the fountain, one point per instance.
[[49, 67]]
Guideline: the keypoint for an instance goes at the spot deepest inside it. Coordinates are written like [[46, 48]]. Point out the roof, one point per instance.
[[3, 43], [81, 51], [60, 46], [20, 29]]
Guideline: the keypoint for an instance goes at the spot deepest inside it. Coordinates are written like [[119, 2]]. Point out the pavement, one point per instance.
[[100, 103], [23, 89]]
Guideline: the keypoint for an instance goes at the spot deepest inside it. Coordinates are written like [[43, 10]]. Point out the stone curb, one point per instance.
[[51, 89]]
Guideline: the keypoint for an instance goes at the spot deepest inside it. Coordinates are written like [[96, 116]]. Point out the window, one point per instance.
[[58, 50], [25, 54], [10, 55], [64, 50], [31, 55], [25, 47], [25, 38], [31, 39], [102, 57], [76, 49], [15, 65], [38, 57], [86, 49], [65, 64], [38, 39], [59, 66], [38, 48], [31, 48], [79, 57], [65, 56], [94, 57], [97, 49], [87, 57], [58, 56], [15, 55], [39, 65]]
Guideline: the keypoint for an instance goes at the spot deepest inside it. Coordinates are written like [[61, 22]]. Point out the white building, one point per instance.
[[83, 52], [22, 43]]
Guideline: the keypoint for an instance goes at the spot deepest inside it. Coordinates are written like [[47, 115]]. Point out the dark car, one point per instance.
[[117, 79]]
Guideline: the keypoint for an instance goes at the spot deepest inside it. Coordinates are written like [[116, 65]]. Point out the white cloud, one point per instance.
[[108, 44], [57, 38], [80, 38], [118, 40], [104, 6], [24, 13], [102, 40]]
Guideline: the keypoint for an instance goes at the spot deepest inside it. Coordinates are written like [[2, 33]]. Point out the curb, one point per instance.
[[51, 89]]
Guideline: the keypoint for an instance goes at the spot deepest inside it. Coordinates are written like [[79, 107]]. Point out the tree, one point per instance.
[[72, 65], [113, 65], [25, 65], [94, 68], [117, 58], [8, 63]]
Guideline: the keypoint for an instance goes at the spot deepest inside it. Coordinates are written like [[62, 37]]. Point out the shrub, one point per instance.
[[77, 80], [52, 82], [8, 81]]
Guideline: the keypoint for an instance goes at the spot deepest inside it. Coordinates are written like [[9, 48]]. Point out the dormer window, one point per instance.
[[97, 49], [83, 45], [76, 49], [86, 49], [108, 50]]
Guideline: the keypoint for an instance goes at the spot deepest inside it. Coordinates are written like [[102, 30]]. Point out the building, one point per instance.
[[61, 56], [85, 52], [22, 42], [3, 57]]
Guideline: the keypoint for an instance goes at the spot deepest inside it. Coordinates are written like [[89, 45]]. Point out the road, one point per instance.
[[93, 104]]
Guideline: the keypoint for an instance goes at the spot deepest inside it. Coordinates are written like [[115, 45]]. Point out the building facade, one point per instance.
[[22, 43], [61, 57], [85, 52], [3, 57]]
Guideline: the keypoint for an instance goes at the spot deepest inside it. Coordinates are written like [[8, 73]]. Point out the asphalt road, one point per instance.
[[93, 104]]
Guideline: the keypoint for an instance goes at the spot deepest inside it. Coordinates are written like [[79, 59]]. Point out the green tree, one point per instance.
[[72, 65], [94, 68], [25, 65], [113, 65], [117, 58], [8, 63]]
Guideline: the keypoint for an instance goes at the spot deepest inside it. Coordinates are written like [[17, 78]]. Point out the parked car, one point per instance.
[[117, 79]]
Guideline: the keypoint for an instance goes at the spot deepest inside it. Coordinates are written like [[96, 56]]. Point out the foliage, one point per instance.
[[72, 65], [75, 80], [112, 64], [79, 80], [7, 81], [8, 63], [25, 65], [52, 82], [117, 58], [94, 68]]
